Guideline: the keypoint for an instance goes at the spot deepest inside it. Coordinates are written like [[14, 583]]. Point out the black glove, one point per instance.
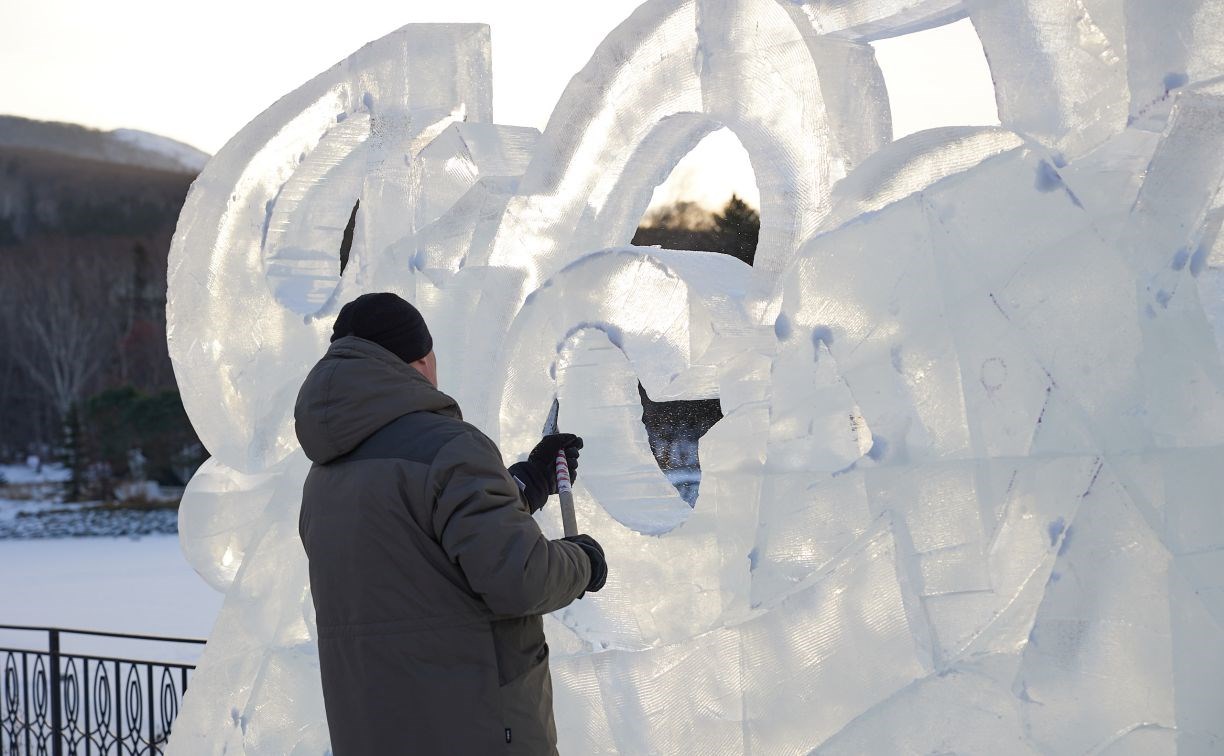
[[595, 553], [532, 483], [544, 457], [538, 475]]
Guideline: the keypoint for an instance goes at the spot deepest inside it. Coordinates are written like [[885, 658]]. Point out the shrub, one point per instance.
[[122, 419]]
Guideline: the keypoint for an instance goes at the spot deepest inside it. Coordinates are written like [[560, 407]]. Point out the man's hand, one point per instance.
[[594, 552], [544, 456], [538, 475]]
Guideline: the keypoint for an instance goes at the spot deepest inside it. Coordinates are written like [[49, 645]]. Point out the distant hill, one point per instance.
[[123, 146], [50, 194], [64, 180]]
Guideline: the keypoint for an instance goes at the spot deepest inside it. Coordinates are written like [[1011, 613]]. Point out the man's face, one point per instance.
[[428, 367]]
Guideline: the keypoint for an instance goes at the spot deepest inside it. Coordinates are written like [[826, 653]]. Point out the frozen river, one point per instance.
[[128, 585]]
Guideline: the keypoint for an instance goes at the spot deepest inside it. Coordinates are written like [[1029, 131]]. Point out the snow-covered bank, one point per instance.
[[50, 520], [128, 585], [32, 506]]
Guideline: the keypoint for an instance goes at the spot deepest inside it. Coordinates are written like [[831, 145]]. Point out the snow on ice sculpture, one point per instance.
[[961, 497]]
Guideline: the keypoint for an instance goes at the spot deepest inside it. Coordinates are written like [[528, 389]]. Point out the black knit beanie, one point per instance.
[[388, 321]]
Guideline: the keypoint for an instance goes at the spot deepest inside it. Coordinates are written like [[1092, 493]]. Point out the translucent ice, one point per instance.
[[1072, 93], [964, 495], [1170, 45]]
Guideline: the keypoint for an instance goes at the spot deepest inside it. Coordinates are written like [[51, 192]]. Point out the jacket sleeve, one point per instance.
[[480, 521]]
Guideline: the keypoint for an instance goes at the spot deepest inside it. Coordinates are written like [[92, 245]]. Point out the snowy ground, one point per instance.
[[25, 475], [129, 585]]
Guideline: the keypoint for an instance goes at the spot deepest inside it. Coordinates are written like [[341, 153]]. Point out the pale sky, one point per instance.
[[198, 72]]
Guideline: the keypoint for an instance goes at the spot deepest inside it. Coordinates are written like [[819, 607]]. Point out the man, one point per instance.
[[428, 574]]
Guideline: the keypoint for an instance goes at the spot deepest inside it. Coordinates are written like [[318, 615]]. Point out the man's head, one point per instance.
[[394, 325]]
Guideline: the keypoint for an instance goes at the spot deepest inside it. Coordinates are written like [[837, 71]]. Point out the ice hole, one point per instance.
[[707, 204], [705, 180], [346, 241], [937, 77], [673, 429]]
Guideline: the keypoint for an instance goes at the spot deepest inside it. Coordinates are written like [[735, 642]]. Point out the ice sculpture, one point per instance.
[[963, 498]]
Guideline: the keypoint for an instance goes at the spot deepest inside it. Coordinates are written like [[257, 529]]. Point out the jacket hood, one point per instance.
[[357, 388]]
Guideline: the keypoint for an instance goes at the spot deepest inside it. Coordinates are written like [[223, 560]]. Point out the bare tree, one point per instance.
[[60, 329]]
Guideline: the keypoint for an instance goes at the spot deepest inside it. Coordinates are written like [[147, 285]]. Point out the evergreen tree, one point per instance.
[[738, 226]]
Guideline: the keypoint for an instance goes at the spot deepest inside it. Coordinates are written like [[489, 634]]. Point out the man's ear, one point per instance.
[[427, 367]]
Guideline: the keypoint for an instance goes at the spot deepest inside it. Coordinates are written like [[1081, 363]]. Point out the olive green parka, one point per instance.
[[428, 575]]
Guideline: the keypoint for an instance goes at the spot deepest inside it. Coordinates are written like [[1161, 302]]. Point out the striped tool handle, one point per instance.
[[566, 495]]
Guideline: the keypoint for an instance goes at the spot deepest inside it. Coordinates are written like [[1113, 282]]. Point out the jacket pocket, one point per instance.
[[527, 710], [519, 646]]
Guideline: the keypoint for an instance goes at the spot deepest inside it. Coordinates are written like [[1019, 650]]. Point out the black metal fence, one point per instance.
[[53, 702]]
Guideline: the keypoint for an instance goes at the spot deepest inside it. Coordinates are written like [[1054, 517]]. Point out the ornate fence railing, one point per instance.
[[53, 702]]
